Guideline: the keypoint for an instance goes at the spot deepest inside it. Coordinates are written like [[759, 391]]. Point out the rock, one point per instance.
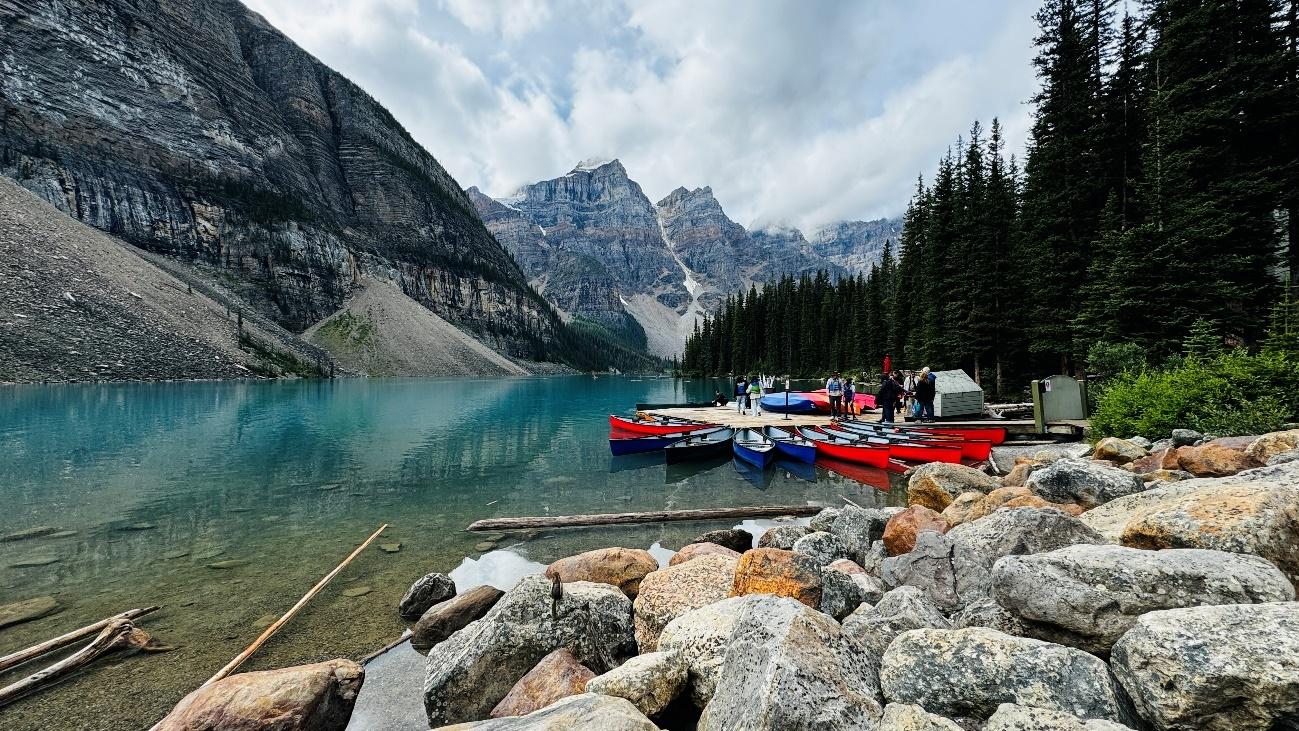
[[1087, 483], [873, 560], [471, 671], [791, 667], [33, 561], [316, 697], [823, 520], [1212, 460], [1012, 717], [390, 547], [847, 566], [1012, 497], [27, 610], [424, 593], [784, 536], [484, 546], [779, 573], [1019, 474], [1166, 476], [26, 533], [585, 711], [1142, 442], [1285, 457], [231, 563], [969, 672], [1215, 668], [736, 539], [446, 618], [558, 675], [700, 637], [668, 593], [695, 550], [821, 547], [1005, 456], [357, 591], [1160, 459], [962, 508], [901, 610], [1087, 596], [857, 528], [621, 567], [62, 534], [1239, 444], [1118, 451], [935, 484], [900, 531], [928, 567], [1269, 445], [1162, 444], [1186, 437], [908, 717], [131, 527], [843, 591], [650, 681], [986, 612]]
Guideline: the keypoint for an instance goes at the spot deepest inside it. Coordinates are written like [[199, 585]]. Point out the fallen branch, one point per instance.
[[18, 658], [117, 634], [656, 516]]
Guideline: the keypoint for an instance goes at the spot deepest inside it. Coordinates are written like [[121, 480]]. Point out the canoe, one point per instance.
[[912, 451], [994, 434], [696, 446], [752, 447], [620, 445], [975, 449], [791, 445], [848, 450], [658, 426], [775, 403], [864, 401]]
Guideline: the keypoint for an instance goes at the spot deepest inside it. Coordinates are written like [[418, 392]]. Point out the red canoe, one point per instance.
[[875, 455], [632, 426], [912, 451], [975, 449], [994, 434], [864, 401]]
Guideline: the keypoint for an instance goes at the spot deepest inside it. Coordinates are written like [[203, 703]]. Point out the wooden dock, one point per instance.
[[727, 416]]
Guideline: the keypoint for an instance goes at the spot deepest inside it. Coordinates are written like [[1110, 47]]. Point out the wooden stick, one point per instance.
[[846, 500], [117, 634], [656, 516], [395, 643], [241, 657], [18, 658]]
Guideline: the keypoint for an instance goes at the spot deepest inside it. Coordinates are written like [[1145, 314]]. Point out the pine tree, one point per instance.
[[1203, 341]]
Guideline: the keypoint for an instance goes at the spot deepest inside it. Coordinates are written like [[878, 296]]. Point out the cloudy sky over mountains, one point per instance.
[[794, 112]]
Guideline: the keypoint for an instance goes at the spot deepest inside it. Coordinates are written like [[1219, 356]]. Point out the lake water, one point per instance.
[[224, 502]]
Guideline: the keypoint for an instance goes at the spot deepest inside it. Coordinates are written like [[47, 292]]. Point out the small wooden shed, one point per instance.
[[956, 394]]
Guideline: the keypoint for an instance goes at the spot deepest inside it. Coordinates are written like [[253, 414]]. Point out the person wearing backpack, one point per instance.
[[755, 396], [887, 398], [849, 398], [834, 389], [926, 387], [741, 394]]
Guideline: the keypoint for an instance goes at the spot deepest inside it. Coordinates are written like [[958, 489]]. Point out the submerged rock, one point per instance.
[[22, 535], [357, 591], [621, 567], [27, 610], [669, 593], [34, 561], [424, 593], [650, 681], [557, 675], [390, 547], [232, 563], [779, 573], [317, 697], [446, 618]]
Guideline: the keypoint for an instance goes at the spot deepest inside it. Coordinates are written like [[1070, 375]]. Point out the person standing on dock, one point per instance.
[[890, 391], [755, 396], [849, 398], [834, 389], [926, 387], [741, 394]]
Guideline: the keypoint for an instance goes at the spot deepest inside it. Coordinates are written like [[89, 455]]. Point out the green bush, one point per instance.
[[1233, 393]]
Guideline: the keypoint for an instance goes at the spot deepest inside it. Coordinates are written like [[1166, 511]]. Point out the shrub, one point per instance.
[[1233, 393]]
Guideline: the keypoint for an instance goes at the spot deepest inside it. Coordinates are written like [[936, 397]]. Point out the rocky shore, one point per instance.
[[1133, 585]]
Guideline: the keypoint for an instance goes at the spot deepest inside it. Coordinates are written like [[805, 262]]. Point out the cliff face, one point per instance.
[[195, 129], [856, 245]]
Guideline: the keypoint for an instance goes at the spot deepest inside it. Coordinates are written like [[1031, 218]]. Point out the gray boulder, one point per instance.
[[1186, 437], [1012, 717], [471, 671], [873, 561], [969, 672], [928, 567], [446, 618], [821, 547], [857, 528], [1087, 596], [789, 667], [1087, 483], [582, 711], [986, 612], [908, 717], [1004, 455], [1215, 668], [424, 593], [1159, 444], [650, 681], [1142, 442], [842, 591], [1291, 455], [700, 638], [736, 539], [783, 536], [824, 520], [901, 610]]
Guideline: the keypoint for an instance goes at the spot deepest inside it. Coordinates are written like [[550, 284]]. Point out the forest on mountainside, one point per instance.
[[1158, 197]]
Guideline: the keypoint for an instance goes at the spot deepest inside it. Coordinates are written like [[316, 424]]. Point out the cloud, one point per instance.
[[800, 113]]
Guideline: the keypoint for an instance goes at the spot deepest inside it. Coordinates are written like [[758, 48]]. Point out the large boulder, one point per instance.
[[650, 681], [316, 697], [472, 670], [969, 672], [857, 528], [1214, 460], [986, 612], [1186, 437], [909, 717], [823, 520], [700, 637], [1018, 476], [736, 539], [1087, 483], [1087, 596], [424, 593], [1218, 668], [585, 711], [668, 593], [1012, 497], [27, 610], [901, 610], [1118, 451], [1012, 717], [936, 484], [927, 567], [963, 509], [1290, 455], [1111, 518], [784, 536], [621, 567], [844, 589], [1269, 445], [445, 619], [558, 675], [779, 573], [695, 550], [900, 530], [789, 667], [821, 547], [1160, 459], [1005, 456]]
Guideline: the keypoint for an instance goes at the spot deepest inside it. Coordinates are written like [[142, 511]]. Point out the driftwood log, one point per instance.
[[655, 516], [118, 634], [13, 660]]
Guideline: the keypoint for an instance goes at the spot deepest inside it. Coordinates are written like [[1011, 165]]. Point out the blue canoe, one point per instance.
[[791, 445], [619, 446], [752, 447], [776, 403]]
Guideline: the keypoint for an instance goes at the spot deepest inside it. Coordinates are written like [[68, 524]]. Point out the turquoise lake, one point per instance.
[[225, 501]]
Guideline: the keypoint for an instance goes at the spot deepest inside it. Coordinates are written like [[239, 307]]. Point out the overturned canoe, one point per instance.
[[796, 403]]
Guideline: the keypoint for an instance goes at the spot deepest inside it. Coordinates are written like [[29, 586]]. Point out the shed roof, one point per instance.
[[956, 381]]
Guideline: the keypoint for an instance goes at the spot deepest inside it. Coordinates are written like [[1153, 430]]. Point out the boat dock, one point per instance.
[[727, 416]]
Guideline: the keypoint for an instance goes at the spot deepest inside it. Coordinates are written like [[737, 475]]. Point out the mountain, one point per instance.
[[193, 129], [856, 245]]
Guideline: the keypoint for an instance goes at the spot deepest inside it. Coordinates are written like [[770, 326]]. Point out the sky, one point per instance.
[[796, 113]]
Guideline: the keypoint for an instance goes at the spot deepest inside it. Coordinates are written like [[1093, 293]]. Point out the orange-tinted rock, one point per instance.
[[1160, 459], [847, 566], [779, 573], [671, 592], [936, 484], [900, 532], [1018, 474], [1213, 460], [1272, 444], [1118, 451], [1239, 444], [695, 550], [622, 567], [558, 675], [316, 697], [962, 508]]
